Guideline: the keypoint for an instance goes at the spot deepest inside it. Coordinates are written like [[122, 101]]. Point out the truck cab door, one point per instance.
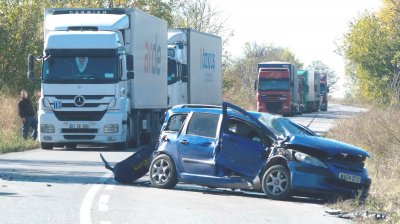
[[243, 144]]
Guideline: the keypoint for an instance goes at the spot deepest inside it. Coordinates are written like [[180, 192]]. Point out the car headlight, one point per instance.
[[47, 128], [302, 157], [111, 128]]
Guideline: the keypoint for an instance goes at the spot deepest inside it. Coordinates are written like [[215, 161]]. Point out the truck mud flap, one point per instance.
[[133, 167]]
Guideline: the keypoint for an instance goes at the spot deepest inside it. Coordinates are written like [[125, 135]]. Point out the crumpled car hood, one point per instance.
[[322, 146]]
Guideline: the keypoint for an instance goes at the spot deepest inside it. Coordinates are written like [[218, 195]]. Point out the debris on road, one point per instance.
[[364, 214], [133, 167]]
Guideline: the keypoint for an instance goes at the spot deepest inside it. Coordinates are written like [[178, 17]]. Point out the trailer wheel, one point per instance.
[[47, 146]]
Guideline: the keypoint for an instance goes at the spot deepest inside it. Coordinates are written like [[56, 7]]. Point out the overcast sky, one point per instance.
[[309, 28]]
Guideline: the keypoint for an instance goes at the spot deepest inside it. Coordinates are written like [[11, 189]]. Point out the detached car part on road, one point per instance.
[[230, 148]]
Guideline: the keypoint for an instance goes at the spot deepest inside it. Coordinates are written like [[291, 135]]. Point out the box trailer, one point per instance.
[[194, 67]]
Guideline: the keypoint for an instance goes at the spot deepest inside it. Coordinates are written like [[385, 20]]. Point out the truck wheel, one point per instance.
[[276, 182], [47, 146], [163, 172]]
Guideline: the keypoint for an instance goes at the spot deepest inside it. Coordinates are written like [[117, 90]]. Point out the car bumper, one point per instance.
[[326, 181], [93, 131]]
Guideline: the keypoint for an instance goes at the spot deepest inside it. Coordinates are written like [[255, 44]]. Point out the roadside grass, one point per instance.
[[378, 132], [10, 127]]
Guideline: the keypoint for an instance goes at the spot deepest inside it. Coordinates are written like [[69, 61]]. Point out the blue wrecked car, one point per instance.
[[227, 147]]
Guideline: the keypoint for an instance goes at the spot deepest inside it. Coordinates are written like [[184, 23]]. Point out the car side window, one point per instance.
[[175, 122], [203, 124], [245, 130]]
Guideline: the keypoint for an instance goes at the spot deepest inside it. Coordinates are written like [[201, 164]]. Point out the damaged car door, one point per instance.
[[197, 142], [244, 142]]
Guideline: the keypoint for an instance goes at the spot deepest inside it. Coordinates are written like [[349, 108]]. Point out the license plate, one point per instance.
[[57, 105], [350, 178], [78, 126]]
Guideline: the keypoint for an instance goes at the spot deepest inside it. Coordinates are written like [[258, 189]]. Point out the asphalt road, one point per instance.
[[62, 186]]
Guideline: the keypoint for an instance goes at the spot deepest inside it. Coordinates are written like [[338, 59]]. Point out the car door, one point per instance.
[[197, 142], [243, 147]]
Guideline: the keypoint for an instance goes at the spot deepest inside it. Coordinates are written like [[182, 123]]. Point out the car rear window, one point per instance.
[[175, 122], [203, 124]]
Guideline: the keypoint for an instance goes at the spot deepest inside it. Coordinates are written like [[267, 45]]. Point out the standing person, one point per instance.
[[27, 113], [37, 94]]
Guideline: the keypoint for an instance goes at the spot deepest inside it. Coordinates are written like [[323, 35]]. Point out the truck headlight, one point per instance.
[[111, 128], [302, 157], [47, 128]]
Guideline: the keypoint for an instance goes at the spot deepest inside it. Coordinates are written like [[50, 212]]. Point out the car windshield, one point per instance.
[[282, 126], [69, 69], [273, 84]]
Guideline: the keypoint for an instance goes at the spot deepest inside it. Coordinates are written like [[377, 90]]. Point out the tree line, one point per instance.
[[372, 50]]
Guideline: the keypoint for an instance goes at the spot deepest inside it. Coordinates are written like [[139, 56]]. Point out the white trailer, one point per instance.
[[313, 98], [194, 67], [103, 77]]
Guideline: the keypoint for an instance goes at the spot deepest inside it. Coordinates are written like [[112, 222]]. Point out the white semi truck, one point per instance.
[[194, 67], [313, 97], [103, 77]]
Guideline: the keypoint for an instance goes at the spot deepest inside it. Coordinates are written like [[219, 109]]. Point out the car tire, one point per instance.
[[162, 172], [276, 183], [47, 146]]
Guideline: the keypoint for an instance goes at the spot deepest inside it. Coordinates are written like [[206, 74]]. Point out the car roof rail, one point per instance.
[[196, 106]]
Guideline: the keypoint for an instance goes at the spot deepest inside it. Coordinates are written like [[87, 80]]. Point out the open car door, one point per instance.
[[243, 143]]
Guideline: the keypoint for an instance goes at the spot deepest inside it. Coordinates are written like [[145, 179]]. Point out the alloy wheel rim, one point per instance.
[[276, 182], [161, 171]]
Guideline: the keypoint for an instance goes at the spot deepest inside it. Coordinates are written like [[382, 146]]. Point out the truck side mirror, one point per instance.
[[129, 62], [255, 85], [327, 89], [31, 66], [130, 75]]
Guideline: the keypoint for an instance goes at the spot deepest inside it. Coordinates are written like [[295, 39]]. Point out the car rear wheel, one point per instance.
[[163, 172], [276, 182]]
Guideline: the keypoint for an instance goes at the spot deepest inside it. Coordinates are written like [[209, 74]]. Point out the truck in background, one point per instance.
[[103, 77], [313, 97], [278, 88], [324, 92], [194, 67], [303, 90]]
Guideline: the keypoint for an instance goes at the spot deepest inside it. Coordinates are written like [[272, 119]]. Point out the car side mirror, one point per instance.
[[129, 62], [255, 85], [130, 75], [31, 66]]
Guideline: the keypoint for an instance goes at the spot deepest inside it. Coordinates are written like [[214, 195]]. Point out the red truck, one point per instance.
[[273, 93]]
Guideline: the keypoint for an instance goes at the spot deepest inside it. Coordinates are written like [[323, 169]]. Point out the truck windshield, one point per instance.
[[273, 84], [68, 69]]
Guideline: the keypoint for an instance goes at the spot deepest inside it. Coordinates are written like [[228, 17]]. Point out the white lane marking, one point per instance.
[[103, 202], [85, 214], [110, 187]]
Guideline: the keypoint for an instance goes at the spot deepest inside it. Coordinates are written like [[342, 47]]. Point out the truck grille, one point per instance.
[[78, 130], [71, 97], [273, 98], [85, 105], [79, 137], [79, 115]]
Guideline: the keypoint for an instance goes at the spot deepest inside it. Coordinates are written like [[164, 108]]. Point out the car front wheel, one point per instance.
[[163, 172], [276, 182]]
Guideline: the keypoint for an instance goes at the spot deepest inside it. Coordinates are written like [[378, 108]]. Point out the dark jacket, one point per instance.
[[26, 108]]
